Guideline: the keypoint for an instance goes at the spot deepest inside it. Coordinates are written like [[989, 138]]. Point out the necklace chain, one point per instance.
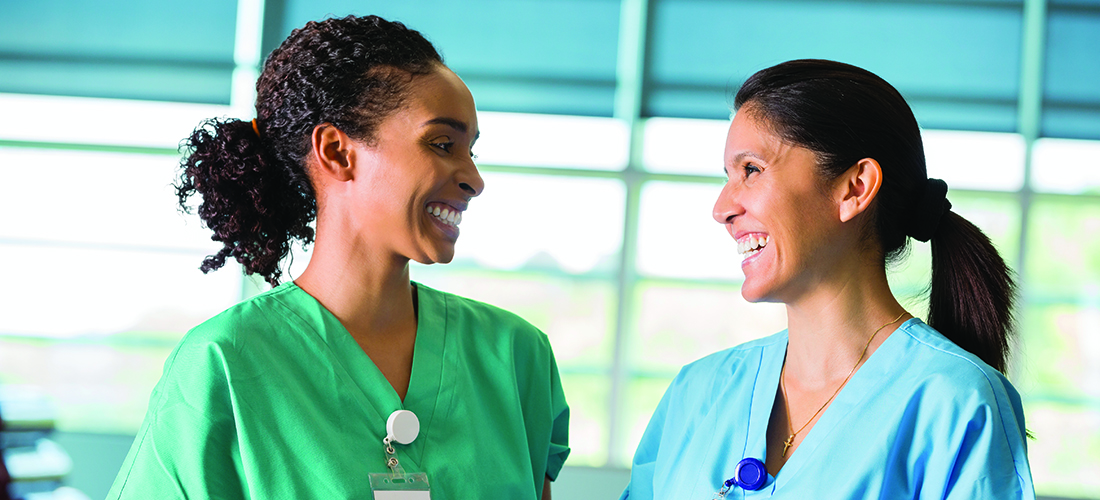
[[782, 381]]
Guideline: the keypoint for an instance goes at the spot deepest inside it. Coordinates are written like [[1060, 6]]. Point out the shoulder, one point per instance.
[[486, 320], [948, 367], [733, 369], [260, 315], [735, 359], [251, 325], [956, 384]]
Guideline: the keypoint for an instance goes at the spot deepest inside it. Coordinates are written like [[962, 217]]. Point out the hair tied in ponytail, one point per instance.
[[929, 210]]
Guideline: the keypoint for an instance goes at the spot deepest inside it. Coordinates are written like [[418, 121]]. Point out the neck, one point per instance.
[[367, 290], [829, 328]]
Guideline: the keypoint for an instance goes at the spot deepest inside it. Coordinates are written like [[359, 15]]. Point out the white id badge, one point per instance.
[[388, 486]]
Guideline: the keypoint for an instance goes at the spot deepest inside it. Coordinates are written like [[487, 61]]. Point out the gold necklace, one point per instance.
[[782, 381]]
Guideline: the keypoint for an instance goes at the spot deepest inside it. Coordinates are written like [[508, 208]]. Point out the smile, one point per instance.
[[752, 244], [445, 213]]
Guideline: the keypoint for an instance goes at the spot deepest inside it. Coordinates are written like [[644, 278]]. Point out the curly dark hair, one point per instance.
[[257, 198]]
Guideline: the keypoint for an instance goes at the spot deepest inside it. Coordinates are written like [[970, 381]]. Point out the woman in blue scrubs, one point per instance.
[[858, 398]]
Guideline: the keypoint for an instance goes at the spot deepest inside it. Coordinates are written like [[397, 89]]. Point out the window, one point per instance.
[[596, 221]]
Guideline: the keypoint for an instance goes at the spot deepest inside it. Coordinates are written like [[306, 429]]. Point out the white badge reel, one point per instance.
[[402, 428]]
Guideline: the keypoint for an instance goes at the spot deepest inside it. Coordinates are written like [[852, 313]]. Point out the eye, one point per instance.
[[750, 169], [444, 146]]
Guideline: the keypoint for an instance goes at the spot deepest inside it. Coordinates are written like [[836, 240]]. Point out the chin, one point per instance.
[[755, 294], [437, 257]]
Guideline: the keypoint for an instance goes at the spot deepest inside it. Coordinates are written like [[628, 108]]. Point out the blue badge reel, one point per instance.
[[749, 474]]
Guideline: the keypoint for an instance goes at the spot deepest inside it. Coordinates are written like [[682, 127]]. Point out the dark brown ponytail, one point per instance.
[[972, 291]]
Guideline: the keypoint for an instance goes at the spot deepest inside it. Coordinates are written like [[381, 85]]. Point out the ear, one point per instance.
[[857, 188], [333, 152]]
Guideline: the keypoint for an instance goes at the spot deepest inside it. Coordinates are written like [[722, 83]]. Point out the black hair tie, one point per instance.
[[929, 210]]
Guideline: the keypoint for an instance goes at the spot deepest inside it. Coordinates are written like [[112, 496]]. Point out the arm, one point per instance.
[[187, 446], [546, 489], [980, 449]]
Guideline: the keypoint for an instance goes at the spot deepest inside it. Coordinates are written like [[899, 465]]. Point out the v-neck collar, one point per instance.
[[850, 396], [375, 394]]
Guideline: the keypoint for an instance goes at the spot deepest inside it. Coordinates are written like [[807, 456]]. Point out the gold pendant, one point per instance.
[[786, 445]]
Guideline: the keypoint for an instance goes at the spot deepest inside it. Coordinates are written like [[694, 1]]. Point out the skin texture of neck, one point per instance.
[[828, 328], [827, 332], [367, 290]]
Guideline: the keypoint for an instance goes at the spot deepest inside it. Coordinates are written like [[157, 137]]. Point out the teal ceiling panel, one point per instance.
[[207, 85], [963, 55], [1074, 3], [177, 51], [1071, 122], [547, 56], [1071, 87]]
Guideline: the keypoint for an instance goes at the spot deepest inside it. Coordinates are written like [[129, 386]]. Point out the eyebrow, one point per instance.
[[458, 125], [737, 159], [739, 156]]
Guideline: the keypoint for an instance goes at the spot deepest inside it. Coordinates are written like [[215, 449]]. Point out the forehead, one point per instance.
[[441, 94], [748, 135]]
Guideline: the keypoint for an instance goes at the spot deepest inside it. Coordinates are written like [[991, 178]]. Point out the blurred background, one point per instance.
[[602, 125]]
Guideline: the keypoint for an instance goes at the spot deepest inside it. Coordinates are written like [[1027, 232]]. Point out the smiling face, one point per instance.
[[779, 211], [418, 175]]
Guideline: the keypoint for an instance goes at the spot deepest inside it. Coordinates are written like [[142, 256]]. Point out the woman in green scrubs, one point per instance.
[[362, 130]]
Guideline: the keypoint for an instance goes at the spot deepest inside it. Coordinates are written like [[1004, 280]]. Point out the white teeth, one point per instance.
[[752, 244], [447, 216]]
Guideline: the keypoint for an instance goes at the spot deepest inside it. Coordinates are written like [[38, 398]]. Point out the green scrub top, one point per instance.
[[274, 399]]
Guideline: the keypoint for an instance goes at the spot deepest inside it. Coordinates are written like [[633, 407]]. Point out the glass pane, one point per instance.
[[95, 198], [1066, 166], [677, 237], [680, 323], [685, 146], [69, 292], [577, 315], [1063, 252], [975, 160], [1065, 453], [94, 387], [101, 121], [562, 141], [589, 411], [1058, 356], [565, 224]]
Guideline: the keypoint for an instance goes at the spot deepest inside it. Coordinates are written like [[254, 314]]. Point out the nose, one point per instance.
[[470, 181], [726, 207]]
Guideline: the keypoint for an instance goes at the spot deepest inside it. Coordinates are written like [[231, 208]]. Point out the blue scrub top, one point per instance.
[[922, 419]]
